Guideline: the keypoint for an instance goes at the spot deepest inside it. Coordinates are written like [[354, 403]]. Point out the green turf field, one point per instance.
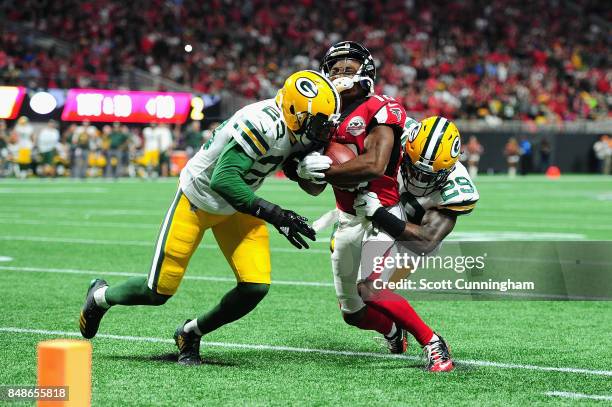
[[294, 348]]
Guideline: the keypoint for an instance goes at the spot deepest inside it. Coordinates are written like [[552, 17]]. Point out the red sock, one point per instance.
[[376, 321], [398, 309]]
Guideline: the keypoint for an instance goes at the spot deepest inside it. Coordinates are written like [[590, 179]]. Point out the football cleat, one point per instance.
[[91, 313], [188, 344], [438, 356], [398, 343]]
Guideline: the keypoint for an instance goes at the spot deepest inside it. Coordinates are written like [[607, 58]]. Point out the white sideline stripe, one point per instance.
[[134, 243], [569, 395], [481, 363], [129, 274]]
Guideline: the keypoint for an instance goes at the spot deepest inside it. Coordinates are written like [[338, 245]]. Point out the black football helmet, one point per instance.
[[366, 74]]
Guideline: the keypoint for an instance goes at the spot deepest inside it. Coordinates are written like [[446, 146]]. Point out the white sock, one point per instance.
[[99, 297], [192, 326], [392, 332]]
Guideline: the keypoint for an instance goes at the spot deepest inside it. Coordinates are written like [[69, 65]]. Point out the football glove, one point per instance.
[[312, 166], [288, 223], [366, 204]]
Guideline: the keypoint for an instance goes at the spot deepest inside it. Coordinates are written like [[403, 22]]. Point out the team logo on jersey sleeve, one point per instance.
[[456, 147], [397, 112], [356, 126], [306, 87]]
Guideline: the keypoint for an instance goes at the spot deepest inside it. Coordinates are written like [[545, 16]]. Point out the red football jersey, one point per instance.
[[357, 121]]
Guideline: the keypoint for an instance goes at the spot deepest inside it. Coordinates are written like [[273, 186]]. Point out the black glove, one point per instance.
[[288, 223]]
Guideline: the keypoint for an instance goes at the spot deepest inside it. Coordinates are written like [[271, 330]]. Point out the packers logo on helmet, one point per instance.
[[431, 151], [310, 105]]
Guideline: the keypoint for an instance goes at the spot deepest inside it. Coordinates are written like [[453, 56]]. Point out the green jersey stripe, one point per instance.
[[257, 134], [246, 138]]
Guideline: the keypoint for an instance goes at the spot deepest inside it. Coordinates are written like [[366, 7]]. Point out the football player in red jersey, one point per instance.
[[372, 126]]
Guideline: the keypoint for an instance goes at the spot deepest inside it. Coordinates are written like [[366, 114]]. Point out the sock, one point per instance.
[[99, 297], [192, 326], [392, 332], [398, 309], [434, 338], [376, 321], [134, 291], [238, 302]]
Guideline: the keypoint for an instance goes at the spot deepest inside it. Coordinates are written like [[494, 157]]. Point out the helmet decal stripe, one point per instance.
[[435, 136], [440, 137], [429, 136]]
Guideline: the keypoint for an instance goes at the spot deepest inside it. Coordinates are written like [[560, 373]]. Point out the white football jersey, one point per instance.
[[262, 134], [457, 195], [164, 137], [24, 135], [48, 138], [151, 139]]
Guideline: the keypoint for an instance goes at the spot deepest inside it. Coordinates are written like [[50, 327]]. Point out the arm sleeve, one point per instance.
[[227, 178]]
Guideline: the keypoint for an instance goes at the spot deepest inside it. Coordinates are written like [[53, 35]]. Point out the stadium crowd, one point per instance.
[[85, 150], [494, 60]]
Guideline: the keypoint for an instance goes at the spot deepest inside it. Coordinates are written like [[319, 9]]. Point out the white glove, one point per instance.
[[312, 166], [366, 203]]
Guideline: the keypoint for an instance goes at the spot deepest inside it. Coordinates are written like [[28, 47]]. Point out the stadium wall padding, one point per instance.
[[570, 152]]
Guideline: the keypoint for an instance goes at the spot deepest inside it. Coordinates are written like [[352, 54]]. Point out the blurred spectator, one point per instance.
[[24, 132], [603, 152], [545, 152], [3, 147], [495, 60], [474, 150], [193, 138], [150, 156], [512, 153], [47, 141], [526, 153], [166, 145], [117, 151], [83, 138]]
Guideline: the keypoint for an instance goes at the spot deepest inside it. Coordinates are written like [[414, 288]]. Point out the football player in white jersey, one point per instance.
[[217, 191], [435, 189]]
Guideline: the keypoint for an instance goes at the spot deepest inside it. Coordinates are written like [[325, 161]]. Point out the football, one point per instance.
[[339, 153]]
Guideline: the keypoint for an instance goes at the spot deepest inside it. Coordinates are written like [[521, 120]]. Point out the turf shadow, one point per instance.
[[166, 358]]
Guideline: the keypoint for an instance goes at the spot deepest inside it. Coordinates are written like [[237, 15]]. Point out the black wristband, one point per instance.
[[265, 210], [389, 222]]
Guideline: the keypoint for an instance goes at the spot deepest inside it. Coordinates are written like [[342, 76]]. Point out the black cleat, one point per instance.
[[398, 343], [188, 344], [91, 313]]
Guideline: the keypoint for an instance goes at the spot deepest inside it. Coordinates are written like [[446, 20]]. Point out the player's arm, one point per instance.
[[423, 238], [369, 165], [228, 181]]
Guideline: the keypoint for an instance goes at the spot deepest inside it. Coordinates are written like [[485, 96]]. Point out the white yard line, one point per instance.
[[569, 395], [480, 363], [128, 274], [141, 243]]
